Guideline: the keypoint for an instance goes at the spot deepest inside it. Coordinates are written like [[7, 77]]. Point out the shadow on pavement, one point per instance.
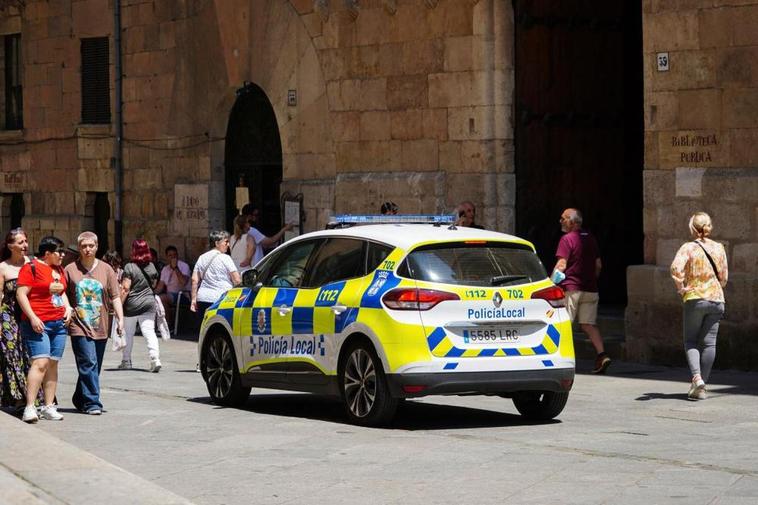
[[410, 415], [724, 381]]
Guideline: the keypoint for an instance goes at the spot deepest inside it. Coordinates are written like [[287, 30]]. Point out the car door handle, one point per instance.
[[284, 310], [338, 309]]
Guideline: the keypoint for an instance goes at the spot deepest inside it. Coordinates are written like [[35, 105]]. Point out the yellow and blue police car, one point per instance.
[[381, 312]]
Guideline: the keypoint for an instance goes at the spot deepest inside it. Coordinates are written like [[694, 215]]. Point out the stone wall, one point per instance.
[[701, 153], [396, 100]]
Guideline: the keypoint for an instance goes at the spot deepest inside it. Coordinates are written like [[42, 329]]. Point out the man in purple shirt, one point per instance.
[[579, 259]]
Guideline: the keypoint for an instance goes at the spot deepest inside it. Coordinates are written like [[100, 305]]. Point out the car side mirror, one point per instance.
[[250, 279]]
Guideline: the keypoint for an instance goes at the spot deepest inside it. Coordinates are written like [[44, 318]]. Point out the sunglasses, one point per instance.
[[62, 252]]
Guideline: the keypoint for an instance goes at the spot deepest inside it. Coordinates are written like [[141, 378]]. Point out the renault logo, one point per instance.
[[497, 300]]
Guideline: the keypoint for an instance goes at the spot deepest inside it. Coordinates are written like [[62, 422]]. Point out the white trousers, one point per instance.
[[147, 327]]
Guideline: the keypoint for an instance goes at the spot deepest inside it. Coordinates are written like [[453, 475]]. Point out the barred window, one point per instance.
[[13, 109], [96, 97]]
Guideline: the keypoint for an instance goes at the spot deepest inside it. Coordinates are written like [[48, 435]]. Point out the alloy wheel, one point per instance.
[[220, 367], [360, 383]]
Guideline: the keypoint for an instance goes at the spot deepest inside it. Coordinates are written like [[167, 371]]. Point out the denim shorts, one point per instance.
[[48, 344]]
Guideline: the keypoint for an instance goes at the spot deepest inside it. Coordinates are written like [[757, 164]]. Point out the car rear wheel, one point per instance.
[[219, 369], [540, 405], [363, 385]]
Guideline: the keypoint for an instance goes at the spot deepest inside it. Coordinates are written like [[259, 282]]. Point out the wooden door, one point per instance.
[[579, 127]]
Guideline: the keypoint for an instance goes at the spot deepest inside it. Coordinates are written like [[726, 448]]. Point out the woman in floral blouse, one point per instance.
[[700, 273]]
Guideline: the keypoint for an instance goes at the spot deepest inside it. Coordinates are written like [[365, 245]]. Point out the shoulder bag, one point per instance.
[[715, 271]]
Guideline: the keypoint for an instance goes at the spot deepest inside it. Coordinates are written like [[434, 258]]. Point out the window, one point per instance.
[[13, 109], [488, 264], [12, 210], [376, 254], [96, 97], [336, 260], [289, 270]]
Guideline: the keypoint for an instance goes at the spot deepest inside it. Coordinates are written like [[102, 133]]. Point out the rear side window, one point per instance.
[[376, 254], [486, 264], [337, 259]]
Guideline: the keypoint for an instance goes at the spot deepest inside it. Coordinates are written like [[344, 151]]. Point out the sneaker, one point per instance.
[[697, 391], [602, 362], [50, 413], [94, 412], [125, 365], [30, 415], [155, 365]]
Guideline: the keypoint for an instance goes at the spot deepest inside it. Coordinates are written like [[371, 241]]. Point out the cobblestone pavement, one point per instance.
[[626, 438]]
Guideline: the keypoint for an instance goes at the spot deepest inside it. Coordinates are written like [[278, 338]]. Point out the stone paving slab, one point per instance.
[[627, 438], [38, 468]]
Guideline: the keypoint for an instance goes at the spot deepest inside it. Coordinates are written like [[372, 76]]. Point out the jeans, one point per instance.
[[89, 360], [701, 327], [146, 323], [48, 344]]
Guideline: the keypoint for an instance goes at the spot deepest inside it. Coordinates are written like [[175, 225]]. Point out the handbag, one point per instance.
[[160, 319], [118, 341]]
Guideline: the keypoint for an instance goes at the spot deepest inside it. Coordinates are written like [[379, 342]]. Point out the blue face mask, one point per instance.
[[557, 276]]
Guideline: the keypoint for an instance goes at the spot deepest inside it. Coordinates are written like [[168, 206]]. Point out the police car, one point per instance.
[[377, 313]]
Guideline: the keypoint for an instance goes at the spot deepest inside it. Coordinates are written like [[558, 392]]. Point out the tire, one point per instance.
[[363, 386], [540, 405], [218, 365]]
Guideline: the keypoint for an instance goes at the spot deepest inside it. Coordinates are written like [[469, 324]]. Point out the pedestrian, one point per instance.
[[578, 259], [14, 360], [41, 293], [215, 273], [174, 279], [92, 289], [157, 262], [242, 245], [389, 209], [137, 282], [262, 242], [700, 274], [467, 215], [113, 258]]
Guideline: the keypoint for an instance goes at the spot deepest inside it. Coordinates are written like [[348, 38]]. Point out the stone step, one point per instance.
[[610, 321]]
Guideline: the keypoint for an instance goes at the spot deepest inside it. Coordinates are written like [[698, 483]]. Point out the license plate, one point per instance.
[[491, 335]]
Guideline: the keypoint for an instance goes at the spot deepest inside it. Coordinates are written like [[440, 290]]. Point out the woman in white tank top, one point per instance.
[[241, 245]]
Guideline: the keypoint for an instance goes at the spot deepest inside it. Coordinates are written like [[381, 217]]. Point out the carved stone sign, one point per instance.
[[190, 207], [13, 181], [691, 149]]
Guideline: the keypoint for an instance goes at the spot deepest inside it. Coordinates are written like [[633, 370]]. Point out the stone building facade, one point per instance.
[[701, 153], [403, 100], [395, 100]]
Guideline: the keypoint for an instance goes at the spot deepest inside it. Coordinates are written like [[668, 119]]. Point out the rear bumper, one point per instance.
[[559, 379]]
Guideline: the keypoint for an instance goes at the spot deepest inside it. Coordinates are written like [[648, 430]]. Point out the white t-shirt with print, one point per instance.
[[258, 237], [214, 269]]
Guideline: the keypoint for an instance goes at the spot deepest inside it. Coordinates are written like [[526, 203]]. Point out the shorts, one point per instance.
[[582, 306], [48, 344]]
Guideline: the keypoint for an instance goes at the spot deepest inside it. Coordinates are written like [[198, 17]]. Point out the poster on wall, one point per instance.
[[293, 214]]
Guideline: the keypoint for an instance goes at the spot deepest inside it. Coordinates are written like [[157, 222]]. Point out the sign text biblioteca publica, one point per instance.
[[699, 147]]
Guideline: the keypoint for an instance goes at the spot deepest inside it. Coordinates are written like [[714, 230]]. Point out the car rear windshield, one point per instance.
[[474, 264]]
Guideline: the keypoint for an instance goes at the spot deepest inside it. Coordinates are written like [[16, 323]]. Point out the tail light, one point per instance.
[[416, 299], [553, 295]]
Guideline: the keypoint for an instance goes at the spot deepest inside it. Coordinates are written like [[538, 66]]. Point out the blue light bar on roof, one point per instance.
[[354, 219]]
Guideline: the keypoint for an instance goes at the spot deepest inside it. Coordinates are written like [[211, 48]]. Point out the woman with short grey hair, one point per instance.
[[215, 273], [700, 273]]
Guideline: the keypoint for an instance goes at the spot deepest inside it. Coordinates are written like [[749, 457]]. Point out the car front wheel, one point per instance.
[[364, 387], [540, 405], [219, 369]]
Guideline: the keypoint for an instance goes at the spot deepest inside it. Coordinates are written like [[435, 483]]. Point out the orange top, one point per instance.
[[692, 271]]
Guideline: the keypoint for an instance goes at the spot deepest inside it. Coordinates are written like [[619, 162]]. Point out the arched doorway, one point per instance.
[[253, 157]]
